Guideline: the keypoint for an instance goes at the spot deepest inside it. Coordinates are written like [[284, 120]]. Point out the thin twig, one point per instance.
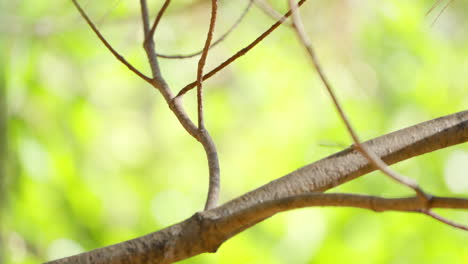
[[213, 189], [157, 19], [299, 28], [101, 20], [202, 61], [266, 7], [369, 155], [436, 4], [241, 52], [148, 45], [441, 11], [445, 220], [219, 40], [108, 46]]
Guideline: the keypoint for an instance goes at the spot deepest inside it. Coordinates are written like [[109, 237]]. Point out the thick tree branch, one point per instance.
[[206, 231]]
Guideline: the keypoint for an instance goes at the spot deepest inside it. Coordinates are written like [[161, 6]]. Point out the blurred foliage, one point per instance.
[[95, 156]]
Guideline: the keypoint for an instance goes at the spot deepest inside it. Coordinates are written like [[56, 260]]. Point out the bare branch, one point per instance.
[[108, 46], [175, 105], [240, 53], [374, 159], [206, 231], [219, 40], [270, 11], [436, 4], [441, 11], [213, 190], [157, 19], [158, 81], [445, 220], [148, 45], [202, 61]]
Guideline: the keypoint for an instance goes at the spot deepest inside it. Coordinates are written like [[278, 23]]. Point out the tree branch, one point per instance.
[[213, 163], [157, 19], [240, 53], [266, 7], [176, 107], [374, 159], [219, 40], [108, 46], [206, 231]]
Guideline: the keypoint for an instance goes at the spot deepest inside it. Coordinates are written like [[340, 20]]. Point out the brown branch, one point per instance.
[[240, 53], [270, 11], [157, 19], [204, 232], [158, 81], [148, 45], [436, 4], [202, 61], [445, 220], [213, 163], [374, 159], [108, 45], [219, 40], [263, 209], [175, 105], [441, 11]]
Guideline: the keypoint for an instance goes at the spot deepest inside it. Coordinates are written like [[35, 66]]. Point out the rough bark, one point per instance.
[[206, 231]]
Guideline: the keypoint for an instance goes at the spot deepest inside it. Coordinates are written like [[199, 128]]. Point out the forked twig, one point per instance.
[[219, 40], [106, 43], [369, 155], [240, 53], [157, 19], [175, 105]]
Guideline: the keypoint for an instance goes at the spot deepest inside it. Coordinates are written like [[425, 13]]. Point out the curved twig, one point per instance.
[[213, 163]]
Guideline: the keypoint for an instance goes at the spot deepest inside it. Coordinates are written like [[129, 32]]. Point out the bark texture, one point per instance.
[[206, 231]]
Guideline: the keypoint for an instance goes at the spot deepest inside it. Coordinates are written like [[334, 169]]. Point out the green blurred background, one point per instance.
[[95, 157]]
